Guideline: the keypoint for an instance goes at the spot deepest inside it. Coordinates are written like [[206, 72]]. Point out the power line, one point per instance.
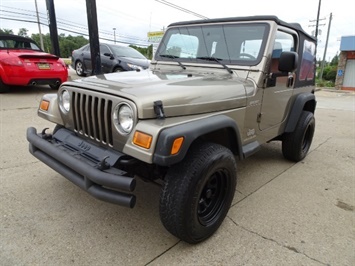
[[181, 8], [143, 43], [70, 24]]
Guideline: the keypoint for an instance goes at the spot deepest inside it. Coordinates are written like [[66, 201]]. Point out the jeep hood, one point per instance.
[[181, 93]]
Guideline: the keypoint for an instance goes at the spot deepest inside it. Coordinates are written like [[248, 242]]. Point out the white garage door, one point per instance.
[[349, 75]]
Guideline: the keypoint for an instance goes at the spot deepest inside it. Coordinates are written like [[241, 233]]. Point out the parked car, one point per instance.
[[114, 58], [23, 63]]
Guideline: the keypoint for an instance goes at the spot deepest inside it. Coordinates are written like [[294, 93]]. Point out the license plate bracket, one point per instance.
[[43, 66]]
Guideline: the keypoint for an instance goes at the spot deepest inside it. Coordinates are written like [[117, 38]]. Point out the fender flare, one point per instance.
[[304, 101], [191, 131]]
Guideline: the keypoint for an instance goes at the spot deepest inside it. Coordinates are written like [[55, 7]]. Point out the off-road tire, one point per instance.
[[79, 68], [198, 192], [295, 145]]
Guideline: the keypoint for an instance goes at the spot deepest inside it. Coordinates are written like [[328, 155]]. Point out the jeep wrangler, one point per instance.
[[215, 91]]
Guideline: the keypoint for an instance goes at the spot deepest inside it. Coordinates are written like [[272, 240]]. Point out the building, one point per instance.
[[345, 79]]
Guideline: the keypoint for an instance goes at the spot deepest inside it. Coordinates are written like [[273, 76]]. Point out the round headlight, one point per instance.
[[123, 117], [65, 101]]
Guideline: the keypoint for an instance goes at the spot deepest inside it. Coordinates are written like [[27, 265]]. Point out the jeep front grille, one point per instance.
[[92, 117]]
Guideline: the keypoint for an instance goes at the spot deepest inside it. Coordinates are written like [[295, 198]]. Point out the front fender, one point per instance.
[[191, 131], [53, 113]]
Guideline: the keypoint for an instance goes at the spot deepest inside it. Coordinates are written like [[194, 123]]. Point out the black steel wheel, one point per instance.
[[198, 192], [295, 145]]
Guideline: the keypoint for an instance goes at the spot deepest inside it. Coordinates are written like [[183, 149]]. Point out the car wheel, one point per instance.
[[295, 145], [198, 192], [4, 87], [55, 86], [117, 69], [79, 69]]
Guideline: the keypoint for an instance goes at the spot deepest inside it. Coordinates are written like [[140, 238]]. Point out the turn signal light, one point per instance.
[[44, 105], [177, 145], [142, 139]]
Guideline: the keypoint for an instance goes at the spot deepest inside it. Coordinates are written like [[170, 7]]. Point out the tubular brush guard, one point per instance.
[[86, 165]]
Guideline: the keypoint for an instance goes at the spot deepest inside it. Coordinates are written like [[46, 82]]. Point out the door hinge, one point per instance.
[[258, 118]]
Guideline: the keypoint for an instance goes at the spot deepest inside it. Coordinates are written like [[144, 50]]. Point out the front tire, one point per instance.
[[117, 70], [295, 145], [198, 192], [79, 69]]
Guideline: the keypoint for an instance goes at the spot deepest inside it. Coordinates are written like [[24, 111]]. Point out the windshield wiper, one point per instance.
[[173, 57], [218, 60]]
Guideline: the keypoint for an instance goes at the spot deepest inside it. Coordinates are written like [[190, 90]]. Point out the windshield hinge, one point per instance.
[[159, 110]]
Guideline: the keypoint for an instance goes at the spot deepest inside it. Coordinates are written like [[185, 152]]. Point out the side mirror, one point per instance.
[[109, 55], [288, 62]]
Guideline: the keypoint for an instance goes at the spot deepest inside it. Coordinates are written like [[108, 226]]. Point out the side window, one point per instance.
[[308, 60], [283, 42], [34, 46], [104, 49]]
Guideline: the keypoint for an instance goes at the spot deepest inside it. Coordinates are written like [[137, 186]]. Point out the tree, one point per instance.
[[22, 32], [147, 52], [335, 60], [7, 31], [66, 43]]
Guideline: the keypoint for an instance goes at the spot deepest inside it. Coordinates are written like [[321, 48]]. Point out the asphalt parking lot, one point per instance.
[[283, 213]]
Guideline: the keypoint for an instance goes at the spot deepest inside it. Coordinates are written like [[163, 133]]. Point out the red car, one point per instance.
[[23, 63]]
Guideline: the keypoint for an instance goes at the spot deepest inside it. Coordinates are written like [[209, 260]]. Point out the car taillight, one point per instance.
[[11, 62], [61, 61]]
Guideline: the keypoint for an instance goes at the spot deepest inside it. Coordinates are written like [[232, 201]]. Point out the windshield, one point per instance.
[[241, 44], [123, 51]]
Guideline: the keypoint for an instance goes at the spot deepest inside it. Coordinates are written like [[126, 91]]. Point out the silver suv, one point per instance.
[[215, 92]]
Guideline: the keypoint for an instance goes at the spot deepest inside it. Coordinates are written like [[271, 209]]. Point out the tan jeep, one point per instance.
[[216, 90]]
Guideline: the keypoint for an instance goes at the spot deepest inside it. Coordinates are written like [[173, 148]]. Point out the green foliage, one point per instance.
[[147, 52], [335, 61], [8, 31], [330, 73], [66, 43], [324, 83], [22, 32], [70, 43]]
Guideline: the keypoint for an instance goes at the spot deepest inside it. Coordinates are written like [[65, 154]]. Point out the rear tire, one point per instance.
[[55, 86], [4, 87], [198, 192], [295, 145]]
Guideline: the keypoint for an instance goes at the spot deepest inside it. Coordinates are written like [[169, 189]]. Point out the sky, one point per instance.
[[134, 19]]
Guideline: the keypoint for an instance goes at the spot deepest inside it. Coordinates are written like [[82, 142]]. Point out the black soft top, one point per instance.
[[5, 36], [295, 26]]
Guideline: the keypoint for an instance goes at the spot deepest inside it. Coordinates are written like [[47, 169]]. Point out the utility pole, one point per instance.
[[326, 46], [317, 23], [114, 35], [94, 37], [39, 27], [53, 27]]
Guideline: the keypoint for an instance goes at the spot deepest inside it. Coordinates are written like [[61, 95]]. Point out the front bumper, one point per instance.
[[86, 165]]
